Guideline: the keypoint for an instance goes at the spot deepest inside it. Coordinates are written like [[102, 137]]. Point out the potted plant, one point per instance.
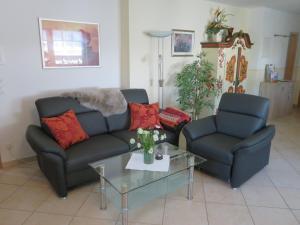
[[217, 24], [146, 140], [197, 86]]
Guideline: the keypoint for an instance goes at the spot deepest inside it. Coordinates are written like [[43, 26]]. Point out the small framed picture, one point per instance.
[[68, 44], [183, 42]]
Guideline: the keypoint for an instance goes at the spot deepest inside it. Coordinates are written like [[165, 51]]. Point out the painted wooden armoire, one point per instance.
[[230, 61]]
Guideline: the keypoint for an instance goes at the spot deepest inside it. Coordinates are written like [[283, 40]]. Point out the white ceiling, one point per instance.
[[285, 5]]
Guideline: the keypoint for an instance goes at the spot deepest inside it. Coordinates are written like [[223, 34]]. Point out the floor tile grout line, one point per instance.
[[291, 211], [205, 202], [248, 208], [164, 209]]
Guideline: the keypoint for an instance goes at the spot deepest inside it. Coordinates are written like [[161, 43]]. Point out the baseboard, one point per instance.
[[17, 162]]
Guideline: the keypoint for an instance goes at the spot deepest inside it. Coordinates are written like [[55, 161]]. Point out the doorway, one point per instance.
[[291, 56]]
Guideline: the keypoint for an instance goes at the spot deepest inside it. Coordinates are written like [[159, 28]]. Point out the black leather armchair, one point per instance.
[[236, 141]]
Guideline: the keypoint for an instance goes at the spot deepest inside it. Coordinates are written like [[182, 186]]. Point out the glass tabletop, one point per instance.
[[126, 180]]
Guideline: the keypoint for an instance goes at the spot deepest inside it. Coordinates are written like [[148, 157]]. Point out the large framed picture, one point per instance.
[[183, 42], [69, 44]]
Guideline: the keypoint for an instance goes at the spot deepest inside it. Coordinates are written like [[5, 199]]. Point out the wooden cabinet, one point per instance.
[[280, 95], [230, 63]]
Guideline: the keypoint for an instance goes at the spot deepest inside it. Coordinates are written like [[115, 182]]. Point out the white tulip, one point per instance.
[[132, 141], [155, 137], [150, 151], [139, 145], [140, 131], [162, 137], [156, 132]]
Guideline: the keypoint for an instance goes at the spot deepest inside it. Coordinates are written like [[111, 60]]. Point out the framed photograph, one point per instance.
[[183, 42], [67, 44]]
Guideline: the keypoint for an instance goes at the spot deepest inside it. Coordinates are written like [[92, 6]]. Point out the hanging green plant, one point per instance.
[[197, 86]]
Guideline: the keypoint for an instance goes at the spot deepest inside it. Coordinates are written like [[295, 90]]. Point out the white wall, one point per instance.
[[262, 24], [146, 15], [22, 78]]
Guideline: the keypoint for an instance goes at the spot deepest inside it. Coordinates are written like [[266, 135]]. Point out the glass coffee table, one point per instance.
[[135, 186]]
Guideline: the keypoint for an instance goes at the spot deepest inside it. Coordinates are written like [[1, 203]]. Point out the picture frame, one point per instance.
[[69, 44], [183, 42]]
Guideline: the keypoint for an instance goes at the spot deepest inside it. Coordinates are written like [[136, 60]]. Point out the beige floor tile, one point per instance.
[[90, 221], [26, 198], [7, 178], [13, 217], [47, 219], [91, 209], [291, 196], [272, 216], [184, 212], [37, 181], [285, 178], [263, 196], [91, 187], [260, 179], [6, 190], [222, 193], [297, 214], [279, 165], [68, 206], [181, 194], [151, 212], [221, 214], [20, 171]]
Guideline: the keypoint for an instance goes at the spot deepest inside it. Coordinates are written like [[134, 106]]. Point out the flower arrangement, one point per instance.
[[146, 140], [218, 22]]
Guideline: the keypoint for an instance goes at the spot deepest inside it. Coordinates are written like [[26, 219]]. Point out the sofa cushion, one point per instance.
[[216, 146], [66, 129], [126, 135], [93, 123], [144, 116], [53, 106], [96, 148], [122, 121], [238, 125]]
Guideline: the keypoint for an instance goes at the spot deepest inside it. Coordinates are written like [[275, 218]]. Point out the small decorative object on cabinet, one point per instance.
[[280, 95], [230, 62], [216, 29]]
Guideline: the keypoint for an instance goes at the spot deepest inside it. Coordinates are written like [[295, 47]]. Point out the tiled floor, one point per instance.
[[272, 197]]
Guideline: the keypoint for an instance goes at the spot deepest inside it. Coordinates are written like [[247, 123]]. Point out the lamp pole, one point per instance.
[[160, 35]]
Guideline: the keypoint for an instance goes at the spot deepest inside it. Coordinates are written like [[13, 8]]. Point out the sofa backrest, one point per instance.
[[122, 121], [241, 115], [91, 121]]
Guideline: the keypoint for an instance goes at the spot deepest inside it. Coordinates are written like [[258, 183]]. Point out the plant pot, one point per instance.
[[219, 36], [148, 157], [211, 37]]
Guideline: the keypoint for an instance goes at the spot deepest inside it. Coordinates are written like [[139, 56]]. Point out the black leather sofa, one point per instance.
[[236, 141], [108, 137]]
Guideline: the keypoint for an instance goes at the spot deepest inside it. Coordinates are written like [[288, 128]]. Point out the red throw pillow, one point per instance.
[[66, 129], [144, 116]]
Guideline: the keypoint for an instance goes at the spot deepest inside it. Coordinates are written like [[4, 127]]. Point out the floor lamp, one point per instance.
[[160, 36]]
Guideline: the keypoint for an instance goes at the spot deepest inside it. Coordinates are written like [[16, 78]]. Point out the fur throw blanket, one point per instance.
[[108, 101]]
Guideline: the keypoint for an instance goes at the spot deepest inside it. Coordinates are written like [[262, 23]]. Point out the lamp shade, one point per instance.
[[159, 34]]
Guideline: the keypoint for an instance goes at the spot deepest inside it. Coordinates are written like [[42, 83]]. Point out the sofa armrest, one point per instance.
[[41, 142], [199, 128], [264, 135]]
